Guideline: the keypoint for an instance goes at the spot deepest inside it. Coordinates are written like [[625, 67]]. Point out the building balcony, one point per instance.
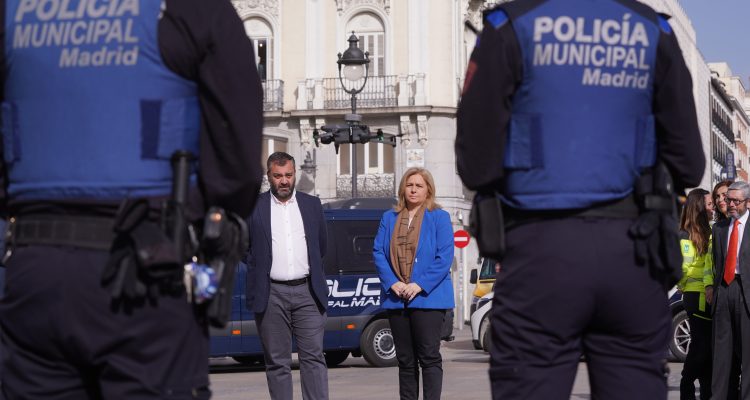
[[273, 95], [723, 127], [368, 185], [379, 91]]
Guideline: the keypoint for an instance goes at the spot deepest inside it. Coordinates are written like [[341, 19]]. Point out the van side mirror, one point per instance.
[[473, 277]]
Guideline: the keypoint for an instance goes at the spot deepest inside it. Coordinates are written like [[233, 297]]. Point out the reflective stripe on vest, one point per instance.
[[90, 109]]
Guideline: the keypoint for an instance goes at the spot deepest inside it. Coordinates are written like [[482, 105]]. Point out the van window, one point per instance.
[[354, 241], [488, 269], [329, 261]]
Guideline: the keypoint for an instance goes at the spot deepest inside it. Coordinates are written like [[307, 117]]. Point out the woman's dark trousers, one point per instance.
[[416, 334], [698, 362]]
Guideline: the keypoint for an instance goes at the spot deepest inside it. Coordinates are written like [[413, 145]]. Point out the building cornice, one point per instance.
[[374, 112], [343, 5], [719, 87]]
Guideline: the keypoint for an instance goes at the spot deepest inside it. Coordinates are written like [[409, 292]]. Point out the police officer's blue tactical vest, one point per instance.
[[91, 111], [582, 128]]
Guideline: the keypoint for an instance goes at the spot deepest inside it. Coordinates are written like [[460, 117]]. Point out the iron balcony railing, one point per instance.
[[273, 95], [725, 127], [379, 91]]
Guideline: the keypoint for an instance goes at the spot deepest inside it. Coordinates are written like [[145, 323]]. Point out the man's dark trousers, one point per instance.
[[416, 335], [292, 310], [731, 328], [571, 286], [63, 340]]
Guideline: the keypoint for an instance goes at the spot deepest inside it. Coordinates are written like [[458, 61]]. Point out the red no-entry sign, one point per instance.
[[461, 238]]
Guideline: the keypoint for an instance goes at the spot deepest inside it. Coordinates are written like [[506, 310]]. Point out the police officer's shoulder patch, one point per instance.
[[664, 24], [496, 17]]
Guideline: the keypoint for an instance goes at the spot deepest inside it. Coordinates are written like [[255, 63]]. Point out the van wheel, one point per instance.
[[484, 334], [377, 344], [334, 358]]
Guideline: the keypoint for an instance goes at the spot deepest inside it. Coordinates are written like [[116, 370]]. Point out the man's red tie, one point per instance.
[[731, 263]]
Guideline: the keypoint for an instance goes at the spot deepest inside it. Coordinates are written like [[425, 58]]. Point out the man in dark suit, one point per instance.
[[286, 286], [730, 301]]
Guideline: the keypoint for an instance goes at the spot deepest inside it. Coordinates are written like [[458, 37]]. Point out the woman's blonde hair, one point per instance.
[[429, 202]]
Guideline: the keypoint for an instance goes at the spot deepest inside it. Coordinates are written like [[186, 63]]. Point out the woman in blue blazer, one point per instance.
[[413, 252]]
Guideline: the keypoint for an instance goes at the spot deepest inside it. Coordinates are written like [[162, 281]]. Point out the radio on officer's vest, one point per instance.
[[487, 225], [656, 230]]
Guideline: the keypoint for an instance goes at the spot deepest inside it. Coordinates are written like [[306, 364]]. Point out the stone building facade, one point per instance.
[[419, 50]]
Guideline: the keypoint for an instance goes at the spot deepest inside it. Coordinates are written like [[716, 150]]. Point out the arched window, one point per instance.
[[371, 34], [261, 34]]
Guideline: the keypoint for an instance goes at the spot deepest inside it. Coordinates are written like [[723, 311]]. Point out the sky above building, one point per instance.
[[721, 28]]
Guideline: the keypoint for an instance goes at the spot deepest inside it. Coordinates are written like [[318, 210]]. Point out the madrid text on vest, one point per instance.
[[105, 27], [595, 44]]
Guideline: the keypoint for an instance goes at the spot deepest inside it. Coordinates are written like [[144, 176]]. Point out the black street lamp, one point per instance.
[[354, 65]]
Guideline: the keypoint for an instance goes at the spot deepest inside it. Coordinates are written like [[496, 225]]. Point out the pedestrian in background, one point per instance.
[[286, 285], [88, 132], [710, 207], [696, 286], [731, 319], [719, 195], [563, 141], [413, 252], [721, 213]]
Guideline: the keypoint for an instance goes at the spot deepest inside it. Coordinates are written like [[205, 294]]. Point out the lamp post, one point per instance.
[[309, 166], [354, 66], [308, 178]]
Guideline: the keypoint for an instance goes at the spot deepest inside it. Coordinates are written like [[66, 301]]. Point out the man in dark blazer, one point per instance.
[[731, 320], [286, 286]]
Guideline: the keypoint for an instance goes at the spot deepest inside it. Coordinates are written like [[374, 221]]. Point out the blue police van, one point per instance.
[[356, 324]]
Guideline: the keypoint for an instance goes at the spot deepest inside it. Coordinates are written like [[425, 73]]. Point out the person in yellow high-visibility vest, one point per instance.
[[697, 280]]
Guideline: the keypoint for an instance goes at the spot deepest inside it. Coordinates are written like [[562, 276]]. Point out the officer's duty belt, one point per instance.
[[623, 208], [94, 233]]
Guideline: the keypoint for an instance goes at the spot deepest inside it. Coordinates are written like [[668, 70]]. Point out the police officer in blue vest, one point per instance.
[[97, 95], [566, 104]]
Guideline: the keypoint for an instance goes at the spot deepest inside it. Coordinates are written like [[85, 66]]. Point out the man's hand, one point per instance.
[[398, 288], [411, 291], [709, 294]]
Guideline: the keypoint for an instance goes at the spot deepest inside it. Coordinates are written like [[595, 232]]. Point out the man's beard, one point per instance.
[[275, 192]]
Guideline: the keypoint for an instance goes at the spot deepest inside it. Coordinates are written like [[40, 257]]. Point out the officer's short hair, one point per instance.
[[279, 158], [743, 187]]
